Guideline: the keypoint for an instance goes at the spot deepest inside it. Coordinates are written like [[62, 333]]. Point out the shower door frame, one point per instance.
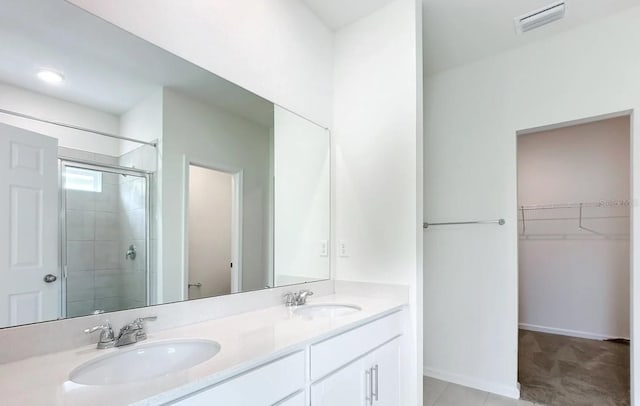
[[63, 163]]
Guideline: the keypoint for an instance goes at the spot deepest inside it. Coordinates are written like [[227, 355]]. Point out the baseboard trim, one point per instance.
[[475, 383], [565, 332]]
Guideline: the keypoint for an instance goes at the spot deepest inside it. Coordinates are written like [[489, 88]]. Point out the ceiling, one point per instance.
[[105, 67], [335, 14], [457, 32]]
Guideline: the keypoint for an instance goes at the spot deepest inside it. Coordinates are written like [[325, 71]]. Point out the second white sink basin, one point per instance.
[[327, 310], [144, 361]]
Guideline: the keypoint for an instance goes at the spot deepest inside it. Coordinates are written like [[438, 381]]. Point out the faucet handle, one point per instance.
[[289, 299], [107, 339], [303, 295], [139, 323]]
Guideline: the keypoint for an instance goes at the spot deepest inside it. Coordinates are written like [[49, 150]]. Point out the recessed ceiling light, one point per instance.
[[50, 76]]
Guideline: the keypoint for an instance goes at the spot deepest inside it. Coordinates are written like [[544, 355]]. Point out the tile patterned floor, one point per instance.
[[440, 393], [566, 371]]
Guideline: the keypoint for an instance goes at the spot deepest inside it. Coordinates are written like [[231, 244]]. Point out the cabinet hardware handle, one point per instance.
[[368, 387], [375, 369]]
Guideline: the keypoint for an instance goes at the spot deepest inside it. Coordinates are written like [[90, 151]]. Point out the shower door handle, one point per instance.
[[50, 278]]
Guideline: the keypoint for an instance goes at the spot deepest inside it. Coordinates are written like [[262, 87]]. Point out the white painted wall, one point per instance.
[[575, 282], [377, 132], [27, 102], [209, 232], [302, 215], [142, 122], [375, 127], [472, 114], [278, 49], [212, 138]]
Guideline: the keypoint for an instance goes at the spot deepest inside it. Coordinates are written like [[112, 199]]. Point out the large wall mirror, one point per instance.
[[130, 177]]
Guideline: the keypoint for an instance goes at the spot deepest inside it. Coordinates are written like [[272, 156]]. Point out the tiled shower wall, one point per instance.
[[100, 229]]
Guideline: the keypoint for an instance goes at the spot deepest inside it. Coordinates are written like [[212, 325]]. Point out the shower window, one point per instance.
[[83, 179]]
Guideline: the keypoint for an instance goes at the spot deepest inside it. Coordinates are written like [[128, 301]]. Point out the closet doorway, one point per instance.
[[574, 193]]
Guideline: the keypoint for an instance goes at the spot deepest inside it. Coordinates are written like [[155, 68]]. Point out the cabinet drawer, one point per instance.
[[293, 400], [265, 385], [334, 352]]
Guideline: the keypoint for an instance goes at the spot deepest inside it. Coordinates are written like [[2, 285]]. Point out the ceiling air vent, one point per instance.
[[538, 18]]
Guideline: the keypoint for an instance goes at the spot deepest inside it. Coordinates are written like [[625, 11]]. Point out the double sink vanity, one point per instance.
[[338, 349]]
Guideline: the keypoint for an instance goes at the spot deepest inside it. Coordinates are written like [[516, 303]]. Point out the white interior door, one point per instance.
[[28, 227]]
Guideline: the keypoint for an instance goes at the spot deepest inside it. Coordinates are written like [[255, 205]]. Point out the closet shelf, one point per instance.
[[601, 204], [580, 207]]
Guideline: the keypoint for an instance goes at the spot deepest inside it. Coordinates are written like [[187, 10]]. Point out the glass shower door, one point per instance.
[[105, 239]]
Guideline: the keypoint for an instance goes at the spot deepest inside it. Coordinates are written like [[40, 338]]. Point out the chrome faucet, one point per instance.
[[133, 332], [297, 299], [107, 339], [129, 334]]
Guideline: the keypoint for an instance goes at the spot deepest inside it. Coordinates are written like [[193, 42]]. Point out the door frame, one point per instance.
[[237, 177], [634, 223]]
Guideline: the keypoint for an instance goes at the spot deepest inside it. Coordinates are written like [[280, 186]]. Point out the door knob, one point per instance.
[[49, 278]]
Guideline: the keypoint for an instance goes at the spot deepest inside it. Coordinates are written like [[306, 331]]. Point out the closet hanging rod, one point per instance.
[[500, 222], [75, 127]]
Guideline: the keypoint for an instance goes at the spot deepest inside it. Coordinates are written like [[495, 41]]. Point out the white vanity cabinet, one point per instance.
[[359, 367], [370, 380]]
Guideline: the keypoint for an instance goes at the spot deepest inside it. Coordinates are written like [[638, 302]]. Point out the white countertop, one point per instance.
[[246, 340]]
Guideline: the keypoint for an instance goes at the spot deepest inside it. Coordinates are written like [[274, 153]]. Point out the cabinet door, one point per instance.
[[345, 387], [386, 374]]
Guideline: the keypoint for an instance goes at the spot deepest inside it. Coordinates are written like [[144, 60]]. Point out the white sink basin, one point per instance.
[[327, 310], [144, 361]]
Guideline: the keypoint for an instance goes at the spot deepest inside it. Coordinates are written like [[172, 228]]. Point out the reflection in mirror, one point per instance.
[[131, 177]]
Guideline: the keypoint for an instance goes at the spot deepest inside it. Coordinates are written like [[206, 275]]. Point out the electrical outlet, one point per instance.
[[324, 248], [342, 249]]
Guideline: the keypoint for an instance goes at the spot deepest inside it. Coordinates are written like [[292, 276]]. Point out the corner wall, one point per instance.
[[377, 132], [472, 114]]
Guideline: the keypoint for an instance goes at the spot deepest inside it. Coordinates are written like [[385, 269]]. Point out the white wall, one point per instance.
[[302, 199], [277, 49], [572, 281], [27, 102], [472, 114], [209, 232], [377, 132], [212, 138], [142, 122]]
